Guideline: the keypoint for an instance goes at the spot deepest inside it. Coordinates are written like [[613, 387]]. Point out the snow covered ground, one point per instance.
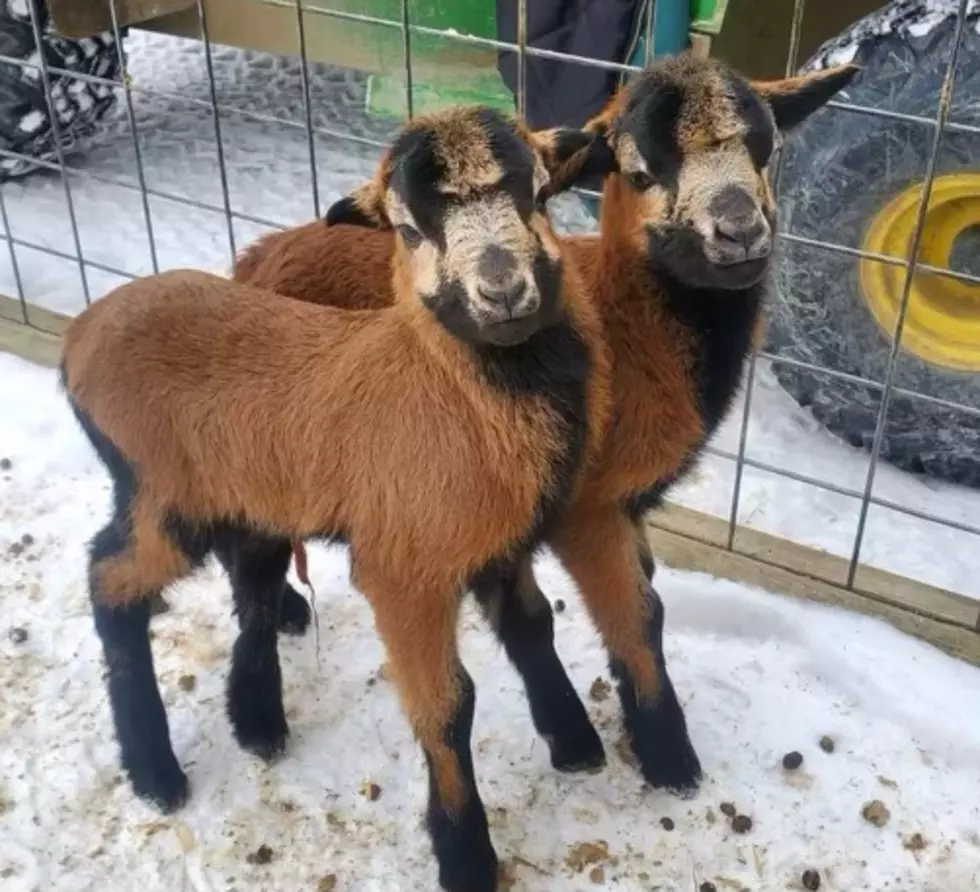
[[269, 178], [761, 676]]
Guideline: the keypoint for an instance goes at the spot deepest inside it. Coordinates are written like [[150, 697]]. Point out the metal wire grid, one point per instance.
[[939, 124]]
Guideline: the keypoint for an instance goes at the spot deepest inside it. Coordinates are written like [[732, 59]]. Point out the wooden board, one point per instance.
[[684, 553], [22, 340], [269, 28], [822, 567], [45, 320]]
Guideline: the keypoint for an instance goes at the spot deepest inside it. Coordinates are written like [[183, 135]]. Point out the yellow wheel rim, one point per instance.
[[942, 325]]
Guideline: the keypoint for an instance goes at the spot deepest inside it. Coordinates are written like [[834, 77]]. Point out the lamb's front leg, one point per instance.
[[418, 629], [599, 549]]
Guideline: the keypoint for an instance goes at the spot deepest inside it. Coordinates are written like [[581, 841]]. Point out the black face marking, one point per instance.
[[509, 150], [450, 304], [677, 252], [651, 117], [760, 135], [520, 188], [417, 170]]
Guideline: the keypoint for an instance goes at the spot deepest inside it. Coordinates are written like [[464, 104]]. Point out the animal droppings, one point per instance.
[[915, 843], [876, 812], [667, 824], [597, 875], [811, 880], [728, 809], [583, 854], [792, 761], [707, 886], [741, 823], [327, 883], [559, 606], [827, 744], [187, 682], [600, 689], [17, 635], [371, 791], [5, 464], [262, 855]]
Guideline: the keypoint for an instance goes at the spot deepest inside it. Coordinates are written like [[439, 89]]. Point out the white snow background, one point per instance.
[[761, 675]]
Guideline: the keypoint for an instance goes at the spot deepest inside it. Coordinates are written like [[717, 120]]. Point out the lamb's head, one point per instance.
[[692, 141], [465, 190]]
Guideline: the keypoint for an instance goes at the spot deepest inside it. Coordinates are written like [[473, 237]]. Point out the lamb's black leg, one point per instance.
[[524, 622], [294, 613], [137, 709], [458, 829], [258, 566]]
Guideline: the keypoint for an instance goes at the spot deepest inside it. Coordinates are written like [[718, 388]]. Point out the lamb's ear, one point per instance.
[[363, 207], [572, 157], [794, 99]]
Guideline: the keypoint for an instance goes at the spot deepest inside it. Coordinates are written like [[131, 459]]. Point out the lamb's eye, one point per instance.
[[640, 180], [411, 236]]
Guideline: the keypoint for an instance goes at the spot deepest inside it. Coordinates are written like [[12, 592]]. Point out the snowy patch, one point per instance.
[[761, 676], [31, 122]]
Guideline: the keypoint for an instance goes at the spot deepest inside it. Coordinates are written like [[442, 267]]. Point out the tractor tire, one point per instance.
[[842, 172], [80, 105]]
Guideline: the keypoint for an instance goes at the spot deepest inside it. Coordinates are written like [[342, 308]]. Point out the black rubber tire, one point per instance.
[[840, 169], [25, 123]]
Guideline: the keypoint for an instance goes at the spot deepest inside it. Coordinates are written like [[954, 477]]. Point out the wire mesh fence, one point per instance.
[[867, 496]]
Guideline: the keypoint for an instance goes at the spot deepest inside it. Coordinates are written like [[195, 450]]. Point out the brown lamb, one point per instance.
[[438, 437], [678, 273]]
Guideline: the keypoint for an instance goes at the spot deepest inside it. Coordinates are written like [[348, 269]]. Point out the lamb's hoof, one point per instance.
[[295, 614], [267, 747], [256, 713], [579, 752], [168, 789], [262, 732], [464, 853], [671, 764]]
